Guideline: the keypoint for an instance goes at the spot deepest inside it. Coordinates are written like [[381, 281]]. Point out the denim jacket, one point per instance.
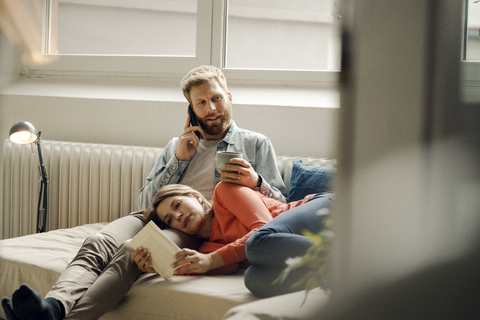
[[255, 147]]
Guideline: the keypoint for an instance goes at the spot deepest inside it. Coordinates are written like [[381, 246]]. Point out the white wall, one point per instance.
[[10, 68], [148, 112]]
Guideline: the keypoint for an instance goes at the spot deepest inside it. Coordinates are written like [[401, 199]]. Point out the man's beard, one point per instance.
[[217, 128]]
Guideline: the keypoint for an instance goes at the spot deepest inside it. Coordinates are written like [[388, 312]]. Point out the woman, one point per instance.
[[225, 225]]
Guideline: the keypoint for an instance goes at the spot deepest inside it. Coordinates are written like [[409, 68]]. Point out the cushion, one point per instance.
[[307, 179]]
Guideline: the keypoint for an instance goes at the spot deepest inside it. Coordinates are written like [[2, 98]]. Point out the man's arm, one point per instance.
[[171, 164], [264, 177], [272, 184], [167, 170]]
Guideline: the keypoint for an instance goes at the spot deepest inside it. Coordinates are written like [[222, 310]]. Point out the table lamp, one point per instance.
[[24, 132]]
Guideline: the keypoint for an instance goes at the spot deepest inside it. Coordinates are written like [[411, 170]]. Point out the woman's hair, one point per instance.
[[171, 190], [199, 76]]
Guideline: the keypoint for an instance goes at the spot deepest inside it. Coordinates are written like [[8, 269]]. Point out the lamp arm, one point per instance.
[[42, 197], [43, 171]]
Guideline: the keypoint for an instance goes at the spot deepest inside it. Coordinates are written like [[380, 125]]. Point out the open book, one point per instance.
[[161, 248]]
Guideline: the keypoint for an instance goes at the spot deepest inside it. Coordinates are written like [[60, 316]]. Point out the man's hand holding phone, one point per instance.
[[188, 142]]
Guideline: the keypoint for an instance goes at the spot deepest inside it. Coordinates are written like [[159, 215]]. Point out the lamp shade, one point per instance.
[[23, 132]]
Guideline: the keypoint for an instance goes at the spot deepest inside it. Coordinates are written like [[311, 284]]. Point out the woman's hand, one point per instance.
[[192, 261], [143, 259], [244, 173]]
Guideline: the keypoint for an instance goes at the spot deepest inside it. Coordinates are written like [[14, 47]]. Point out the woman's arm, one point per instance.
[[193, 261]]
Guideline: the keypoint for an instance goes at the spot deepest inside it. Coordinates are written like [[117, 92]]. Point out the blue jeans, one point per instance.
[[280, 239]]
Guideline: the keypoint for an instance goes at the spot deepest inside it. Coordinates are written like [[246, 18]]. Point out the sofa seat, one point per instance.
[[182, 297], [44, 256]]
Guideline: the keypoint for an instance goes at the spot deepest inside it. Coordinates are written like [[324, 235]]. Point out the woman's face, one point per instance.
[[184, 213]]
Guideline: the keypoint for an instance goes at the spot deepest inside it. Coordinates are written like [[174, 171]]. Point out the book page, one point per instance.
[[161, 248]]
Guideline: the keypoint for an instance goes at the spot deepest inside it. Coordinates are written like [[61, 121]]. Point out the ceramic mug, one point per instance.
[[223, 157]]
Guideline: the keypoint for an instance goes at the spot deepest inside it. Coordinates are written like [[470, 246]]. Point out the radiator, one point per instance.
[[88, 183]]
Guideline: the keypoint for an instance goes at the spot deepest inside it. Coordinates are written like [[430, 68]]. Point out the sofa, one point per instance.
[[93, 184]]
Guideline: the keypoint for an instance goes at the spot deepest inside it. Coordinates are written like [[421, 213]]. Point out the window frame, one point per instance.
[[121, 64], [287, 77], [470, 69], [210, 20], [211, 15]]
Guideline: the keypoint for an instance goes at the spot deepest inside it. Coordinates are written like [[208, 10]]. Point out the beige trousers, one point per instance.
[[103, 270]]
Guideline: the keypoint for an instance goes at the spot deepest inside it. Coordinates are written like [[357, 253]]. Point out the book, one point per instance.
[[161, 248]]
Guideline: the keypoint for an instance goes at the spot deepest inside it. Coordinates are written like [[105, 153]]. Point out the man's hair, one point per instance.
[[199, 76], [171, 190]]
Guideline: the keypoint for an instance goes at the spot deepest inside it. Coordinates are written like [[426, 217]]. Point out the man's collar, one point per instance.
[[231, 134]]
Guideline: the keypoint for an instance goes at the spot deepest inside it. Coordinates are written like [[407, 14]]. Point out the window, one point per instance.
[[142, 63], [282, 34], [115, 27], [265, 40], [470, 72], [472, 43]]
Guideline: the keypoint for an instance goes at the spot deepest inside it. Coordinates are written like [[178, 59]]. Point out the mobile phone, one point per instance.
[[194, 121]]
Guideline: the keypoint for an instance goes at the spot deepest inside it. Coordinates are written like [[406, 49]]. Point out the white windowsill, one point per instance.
[[325, 96]]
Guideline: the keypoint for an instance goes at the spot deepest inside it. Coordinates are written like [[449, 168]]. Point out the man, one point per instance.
[[103, 269], [190, 160]]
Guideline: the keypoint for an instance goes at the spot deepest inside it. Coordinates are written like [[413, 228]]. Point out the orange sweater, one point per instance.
[[239, 211]]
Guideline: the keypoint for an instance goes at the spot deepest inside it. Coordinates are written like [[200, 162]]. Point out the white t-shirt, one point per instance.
[[200, 173]]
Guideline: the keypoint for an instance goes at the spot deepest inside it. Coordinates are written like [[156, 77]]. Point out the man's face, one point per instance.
[[213, 108]]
